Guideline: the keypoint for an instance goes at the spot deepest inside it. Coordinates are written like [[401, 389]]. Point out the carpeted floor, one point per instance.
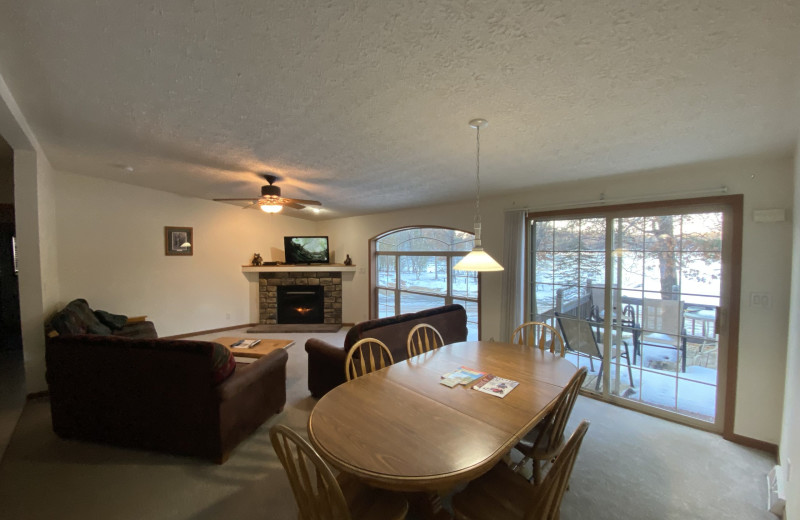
[[630, 466]]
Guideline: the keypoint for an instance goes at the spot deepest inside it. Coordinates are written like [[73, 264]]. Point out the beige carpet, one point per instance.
[[631, 466]]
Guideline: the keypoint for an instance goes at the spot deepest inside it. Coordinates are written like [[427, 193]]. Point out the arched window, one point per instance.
[[412, 270]]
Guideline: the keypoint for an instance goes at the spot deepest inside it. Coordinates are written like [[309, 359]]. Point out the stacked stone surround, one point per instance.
[[268, 283]]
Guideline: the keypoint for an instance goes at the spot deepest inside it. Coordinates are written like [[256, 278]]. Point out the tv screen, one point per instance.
[[306, 250]]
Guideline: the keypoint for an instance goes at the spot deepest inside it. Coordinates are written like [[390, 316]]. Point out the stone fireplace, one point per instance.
[[287, 298]]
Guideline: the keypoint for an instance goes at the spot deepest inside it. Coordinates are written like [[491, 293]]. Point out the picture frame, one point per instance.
[[178, 241]]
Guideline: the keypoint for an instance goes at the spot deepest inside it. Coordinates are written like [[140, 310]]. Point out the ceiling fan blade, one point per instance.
[[306, 202], [224, 200], [294, 205], [255, 205]]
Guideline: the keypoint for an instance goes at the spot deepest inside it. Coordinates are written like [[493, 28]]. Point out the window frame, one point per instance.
[[449, 297], [730, 205]]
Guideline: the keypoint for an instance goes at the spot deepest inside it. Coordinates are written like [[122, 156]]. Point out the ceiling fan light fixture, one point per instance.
[[478, 259], [271, 208]]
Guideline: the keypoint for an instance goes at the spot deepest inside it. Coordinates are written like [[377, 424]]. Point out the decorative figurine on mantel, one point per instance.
[[347, 261], [257, 259]]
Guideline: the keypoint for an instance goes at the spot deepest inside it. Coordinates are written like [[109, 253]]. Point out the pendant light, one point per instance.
[[478, 259]]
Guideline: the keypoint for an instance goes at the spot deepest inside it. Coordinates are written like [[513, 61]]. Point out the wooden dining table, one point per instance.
[[399, 428]]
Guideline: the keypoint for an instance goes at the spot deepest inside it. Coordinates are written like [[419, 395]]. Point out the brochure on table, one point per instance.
[[461, 376], [496, 386], [246, 343]]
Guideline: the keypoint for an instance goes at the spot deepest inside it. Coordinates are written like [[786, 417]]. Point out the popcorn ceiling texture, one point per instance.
[[364, 105]]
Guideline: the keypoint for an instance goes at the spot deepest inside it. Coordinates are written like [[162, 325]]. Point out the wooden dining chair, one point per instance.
[[320, 495], [542, 444], [538, 334], [365, 356], [501, 493], [423, 338]]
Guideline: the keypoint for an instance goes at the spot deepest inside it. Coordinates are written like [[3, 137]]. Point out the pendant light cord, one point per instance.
[[478, 177]]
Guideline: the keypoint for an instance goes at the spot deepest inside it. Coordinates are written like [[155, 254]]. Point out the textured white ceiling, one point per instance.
[[364, 105]]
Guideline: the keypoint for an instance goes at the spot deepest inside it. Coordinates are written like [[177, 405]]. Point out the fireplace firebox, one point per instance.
[[301, 304]]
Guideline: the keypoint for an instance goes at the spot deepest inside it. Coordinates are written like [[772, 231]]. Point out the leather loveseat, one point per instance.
[[326, 361], [176, 396]]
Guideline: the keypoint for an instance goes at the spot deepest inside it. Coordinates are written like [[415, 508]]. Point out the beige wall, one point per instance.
[[790, 433], [111, 252], [765, 183]]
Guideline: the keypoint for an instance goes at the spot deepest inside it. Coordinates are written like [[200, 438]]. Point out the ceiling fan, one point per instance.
[[271, 200]]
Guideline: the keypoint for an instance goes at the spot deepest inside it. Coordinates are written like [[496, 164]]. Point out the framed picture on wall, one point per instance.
[[179, 241]]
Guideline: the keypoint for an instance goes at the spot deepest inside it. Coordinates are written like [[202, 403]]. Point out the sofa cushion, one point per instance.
[[112, 321], [222, 363], [78, 318], [138, 330]]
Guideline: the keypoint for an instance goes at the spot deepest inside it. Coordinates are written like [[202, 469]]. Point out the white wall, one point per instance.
[[33, 199], [765, 183], [111, 252], [790, 432]]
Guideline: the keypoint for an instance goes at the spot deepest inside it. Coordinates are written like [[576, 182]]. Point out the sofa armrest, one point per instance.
[[325, 366], [271, 365], [249, 397]]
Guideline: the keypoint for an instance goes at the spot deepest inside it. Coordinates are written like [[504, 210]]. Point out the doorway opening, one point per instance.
[[642, 297], [10, 328]]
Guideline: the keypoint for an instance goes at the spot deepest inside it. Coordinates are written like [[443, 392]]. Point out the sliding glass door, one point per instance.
[[638, 294]]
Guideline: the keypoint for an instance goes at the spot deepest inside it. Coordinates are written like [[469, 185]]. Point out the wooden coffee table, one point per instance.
[[262, 349]]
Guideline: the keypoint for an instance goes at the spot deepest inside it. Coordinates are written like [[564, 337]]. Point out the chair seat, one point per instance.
[[495, 495], [368, 503], [616, 351]]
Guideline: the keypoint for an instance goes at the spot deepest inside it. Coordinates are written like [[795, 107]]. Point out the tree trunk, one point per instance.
[[667, 256]]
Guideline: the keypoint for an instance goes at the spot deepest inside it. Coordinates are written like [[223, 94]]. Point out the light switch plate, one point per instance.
[[769, 215], [761, 300]]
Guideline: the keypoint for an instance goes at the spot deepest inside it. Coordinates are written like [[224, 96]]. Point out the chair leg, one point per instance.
[[628, 359], [599, 377], [683, 353], [537, 472]]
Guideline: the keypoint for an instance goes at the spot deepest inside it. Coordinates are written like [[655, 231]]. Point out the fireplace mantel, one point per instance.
[[313, 268]]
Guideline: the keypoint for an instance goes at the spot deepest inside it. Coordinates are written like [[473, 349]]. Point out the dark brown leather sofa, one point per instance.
[[326, 361], [176, 396]]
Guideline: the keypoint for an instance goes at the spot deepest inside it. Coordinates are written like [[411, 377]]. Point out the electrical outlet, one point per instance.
[[761, 300]]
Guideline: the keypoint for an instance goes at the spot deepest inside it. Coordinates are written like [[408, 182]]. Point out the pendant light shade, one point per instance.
[[478, 259]]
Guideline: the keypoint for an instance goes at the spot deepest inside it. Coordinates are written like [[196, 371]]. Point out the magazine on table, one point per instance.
[[496, 386], [246, 343], [461, 376]]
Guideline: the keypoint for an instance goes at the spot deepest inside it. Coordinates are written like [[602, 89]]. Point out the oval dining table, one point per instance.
[[399, 428]]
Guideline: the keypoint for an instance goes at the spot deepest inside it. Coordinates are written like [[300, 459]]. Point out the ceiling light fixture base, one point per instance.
[[478, 123]]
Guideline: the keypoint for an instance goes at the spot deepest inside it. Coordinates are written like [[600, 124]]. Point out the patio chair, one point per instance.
[[319, 494], [541, 335], [579, 337], [662, 328], [543, 443], [501, 493]]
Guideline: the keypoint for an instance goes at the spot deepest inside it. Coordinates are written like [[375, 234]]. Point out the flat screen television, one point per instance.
[[306, 250]]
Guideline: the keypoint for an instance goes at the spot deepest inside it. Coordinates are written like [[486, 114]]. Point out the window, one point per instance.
[[412, 270]]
